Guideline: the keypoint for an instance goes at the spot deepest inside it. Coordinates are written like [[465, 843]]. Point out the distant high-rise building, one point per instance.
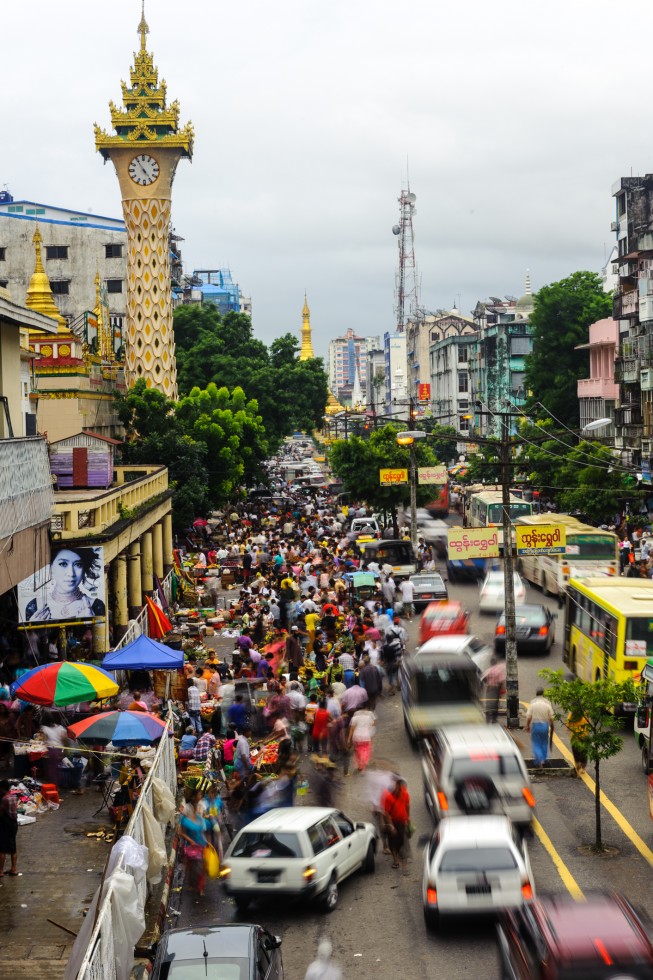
[[346, 354]]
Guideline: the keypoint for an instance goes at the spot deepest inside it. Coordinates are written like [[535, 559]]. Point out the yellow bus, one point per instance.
[[589, 552], [608, 627], [485, 509]]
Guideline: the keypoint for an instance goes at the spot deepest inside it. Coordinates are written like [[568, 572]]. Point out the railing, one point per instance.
[[140, 626], [26, 497], [101, 509], [99, 962]]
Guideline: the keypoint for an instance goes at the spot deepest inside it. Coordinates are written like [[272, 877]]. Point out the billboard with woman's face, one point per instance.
[[70, 587]]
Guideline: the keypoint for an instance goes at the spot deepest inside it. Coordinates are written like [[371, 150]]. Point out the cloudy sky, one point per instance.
[[515, 116]]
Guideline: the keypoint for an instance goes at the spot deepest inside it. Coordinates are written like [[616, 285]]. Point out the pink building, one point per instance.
[[598, 393]]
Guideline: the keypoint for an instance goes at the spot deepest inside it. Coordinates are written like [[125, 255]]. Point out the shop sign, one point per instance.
[[424, 392], [392, 478], [476, 542], [432, 475], [548, 539]]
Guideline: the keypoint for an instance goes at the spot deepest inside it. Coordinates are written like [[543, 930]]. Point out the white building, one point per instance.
[[346, 354], [396, 390]]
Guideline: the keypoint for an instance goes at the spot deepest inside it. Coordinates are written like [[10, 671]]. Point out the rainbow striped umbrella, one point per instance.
[[118, 727], [64, 683]]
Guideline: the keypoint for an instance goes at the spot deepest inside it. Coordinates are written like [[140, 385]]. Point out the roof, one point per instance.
[[448, 643], [634, 597], [90, 435], [289, 818], [477, 737], [221, 941], [575, 927], [22, 317], [476, 830]]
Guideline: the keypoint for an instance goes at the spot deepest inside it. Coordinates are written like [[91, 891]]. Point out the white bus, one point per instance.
[[589, 552], [485, 509]]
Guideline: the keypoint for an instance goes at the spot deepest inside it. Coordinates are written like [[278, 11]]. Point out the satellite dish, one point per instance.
[[396, 230], [411, 198]]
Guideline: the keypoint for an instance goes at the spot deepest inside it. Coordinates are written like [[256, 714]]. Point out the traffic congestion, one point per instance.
[[407, 832]]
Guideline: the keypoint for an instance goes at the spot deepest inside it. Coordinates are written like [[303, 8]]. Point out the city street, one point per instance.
[[378, 930]]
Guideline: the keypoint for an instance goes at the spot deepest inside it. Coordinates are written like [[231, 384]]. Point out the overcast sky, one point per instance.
[[516, 118]]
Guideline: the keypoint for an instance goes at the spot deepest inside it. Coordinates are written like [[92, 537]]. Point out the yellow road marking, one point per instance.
[[566, 876], [615, 813]]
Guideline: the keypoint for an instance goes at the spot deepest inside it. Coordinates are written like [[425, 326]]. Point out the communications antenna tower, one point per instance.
[[406, 277]]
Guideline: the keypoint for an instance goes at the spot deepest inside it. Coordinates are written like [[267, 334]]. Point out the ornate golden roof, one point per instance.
[[333, 406], [145, 118], [39, 292], [306, 352]]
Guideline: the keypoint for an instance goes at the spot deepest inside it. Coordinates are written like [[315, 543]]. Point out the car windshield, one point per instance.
[[268, 845], [234, 969], [440, 685], [422, 582], [527, 617], [484, 764], [479, 859]]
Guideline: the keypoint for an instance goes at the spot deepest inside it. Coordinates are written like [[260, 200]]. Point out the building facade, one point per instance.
[[396, 401], [452, 337], [598, 394], [347, 354]]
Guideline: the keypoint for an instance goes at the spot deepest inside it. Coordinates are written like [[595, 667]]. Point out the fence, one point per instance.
[[99, 961]]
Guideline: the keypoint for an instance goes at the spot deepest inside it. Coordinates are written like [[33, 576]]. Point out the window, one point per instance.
[[517, 380], [345, 826], [56, 251], [113, 251], [60, 287], [463, 381], [4, 283], [520, 345], [463, 353], [267, 845], [3, 253], [114, 285]]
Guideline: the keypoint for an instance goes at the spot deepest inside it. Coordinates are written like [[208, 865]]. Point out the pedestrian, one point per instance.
[[494, 679], [320, 732], [539, 722], [194, 706], [407, 590], [192, 830], [242, 760], [237, 715], [55, 738], [323, 967], [577, 725], [361, 732], [8, 828], [370, 678], [396, 809]]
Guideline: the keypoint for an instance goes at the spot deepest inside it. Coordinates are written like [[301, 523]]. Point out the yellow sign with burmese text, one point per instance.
[[473, 542], [393, 478]]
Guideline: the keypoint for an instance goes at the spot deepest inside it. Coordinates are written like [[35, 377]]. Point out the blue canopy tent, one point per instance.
[[144, 654]]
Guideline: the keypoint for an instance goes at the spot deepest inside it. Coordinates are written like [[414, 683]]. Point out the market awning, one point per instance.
[[144, 654]]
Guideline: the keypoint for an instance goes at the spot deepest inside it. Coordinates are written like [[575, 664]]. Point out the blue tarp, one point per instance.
[[144, 654]]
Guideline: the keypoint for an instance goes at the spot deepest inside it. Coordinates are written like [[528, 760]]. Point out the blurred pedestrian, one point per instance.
[[361, 732], [8, 828], [323, 967], [539, 722], [396, 809], [494, 679]]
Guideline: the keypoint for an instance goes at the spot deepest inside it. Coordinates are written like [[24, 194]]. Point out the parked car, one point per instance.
[[247, 952], [535, 630], [456, 645], [299, 852], [492, 598], [555, 938], [476, 769], [428, 586], [475, 865], [442, 617]]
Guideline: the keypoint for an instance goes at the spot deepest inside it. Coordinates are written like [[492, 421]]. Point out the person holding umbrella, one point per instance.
[[494, 679]]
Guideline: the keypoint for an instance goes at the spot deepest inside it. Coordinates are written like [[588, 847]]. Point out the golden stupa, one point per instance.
[[306, 352], [39, 293]]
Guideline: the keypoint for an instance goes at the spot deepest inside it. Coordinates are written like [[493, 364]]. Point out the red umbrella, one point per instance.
[[200, 522]]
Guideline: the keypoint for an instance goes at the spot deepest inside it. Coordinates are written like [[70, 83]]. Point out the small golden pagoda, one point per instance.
[[306, 352], [39, 293], [333, 406]]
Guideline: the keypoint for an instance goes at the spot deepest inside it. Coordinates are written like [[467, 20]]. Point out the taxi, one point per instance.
[[442, 618]]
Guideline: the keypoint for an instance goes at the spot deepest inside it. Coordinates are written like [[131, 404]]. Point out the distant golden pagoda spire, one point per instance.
[[306, 352], [104, 338], [143, 29], [39, 293]]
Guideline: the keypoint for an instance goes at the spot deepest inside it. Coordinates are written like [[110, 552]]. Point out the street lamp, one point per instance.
[[597, 424], [408, 439]]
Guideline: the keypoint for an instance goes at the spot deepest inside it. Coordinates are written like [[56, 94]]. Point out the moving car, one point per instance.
[[442, 617], [428, 586], [466, 569], [475, 865], [535, 630], [364, 529], [492, 598], [439, 689], [556, 938], [475, 769], [299, 852], [244, 952], [434, 533], [456, 645]]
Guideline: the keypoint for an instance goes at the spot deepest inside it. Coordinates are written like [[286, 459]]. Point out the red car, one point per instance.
[[557, 938], [441, 618]]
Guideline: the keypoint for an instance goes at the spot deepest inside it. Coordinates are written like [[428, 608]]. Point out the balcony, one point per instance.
[[26, 498], [90, 513], [605, 388], [625, 305]]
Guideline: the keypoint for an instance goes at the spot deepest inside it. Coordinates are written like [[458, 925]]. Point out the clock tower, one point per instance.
[[145, 151]]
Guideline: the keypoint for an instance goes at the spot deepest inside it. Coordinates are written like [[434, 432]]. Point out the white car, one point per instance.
[[454, 644], [492, 597], [299, 852], [475, 865]]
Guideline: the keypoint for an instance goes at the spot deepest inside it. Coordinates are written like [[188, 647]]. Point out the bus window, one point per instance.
[[640, 629]]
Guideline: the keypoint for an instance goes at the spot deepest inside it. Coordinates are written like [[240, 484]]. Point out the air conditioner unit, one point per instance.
[[613, 226], [646, 379]]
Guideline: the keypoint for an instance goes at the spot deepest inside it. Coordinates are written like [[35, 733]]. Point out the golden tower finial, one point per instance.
[[39, 292], [143, 29], [306, 352]]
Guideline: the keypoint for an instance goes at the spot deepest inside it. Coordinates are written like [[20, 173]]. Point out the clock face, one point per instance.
[[143, 169]]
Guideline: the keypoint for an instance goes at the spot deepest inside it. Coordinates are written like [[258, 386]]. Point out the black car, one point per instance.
[[535, 630], [247, 952], [428, 586]]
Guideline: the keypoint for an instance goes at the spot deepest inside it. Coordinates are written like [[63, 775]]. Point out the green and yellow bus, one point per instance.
[[589, 553], [608, 627], [485, 509]]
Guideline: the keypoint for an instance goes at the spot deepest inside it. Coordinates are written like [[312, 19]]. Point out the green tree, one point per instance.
[[563, 312], [600, 737], [357, 462]]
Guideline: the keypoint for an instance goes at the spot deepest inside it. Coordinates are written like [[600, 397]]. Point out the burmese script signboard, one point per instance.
[[473, 542], [548, 539], [432, 475], [392, 478]]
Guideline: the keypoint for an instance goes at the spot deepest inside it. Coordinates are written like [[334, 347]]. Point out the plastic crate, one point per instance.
[[70, 777]]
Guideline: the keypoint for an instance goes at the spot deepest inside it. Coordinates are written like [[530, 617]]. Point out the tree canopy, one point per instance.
[[563, 312], [221, 350]]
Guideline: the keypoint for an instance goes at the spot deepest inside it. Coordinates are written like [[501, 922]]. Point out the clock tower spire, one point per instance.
[[145, 150]]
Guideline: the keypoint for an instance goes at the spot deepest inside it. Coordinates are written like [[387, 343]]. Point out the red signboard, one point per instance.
[[424, 393]]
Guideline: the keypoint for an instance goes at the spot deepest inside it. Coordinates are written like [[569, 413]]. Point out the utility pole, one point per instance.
[[512, 668]]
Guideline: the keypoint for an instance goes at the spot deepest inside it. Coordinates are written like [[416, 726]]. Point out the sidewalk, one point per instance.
[[60, 870]]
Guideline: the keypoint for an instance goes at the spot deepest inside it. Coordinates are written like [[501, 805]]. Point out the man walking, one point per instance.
[[539, 722]]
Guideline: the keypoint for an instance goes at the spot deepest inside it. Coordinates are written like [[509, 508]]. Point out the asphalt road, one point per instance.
[[377, 929]]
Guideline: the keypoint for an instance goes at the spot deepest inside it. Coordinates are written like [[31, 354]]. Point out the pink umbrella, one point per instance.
[[200, 522], [372, 634], [355, 697]]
